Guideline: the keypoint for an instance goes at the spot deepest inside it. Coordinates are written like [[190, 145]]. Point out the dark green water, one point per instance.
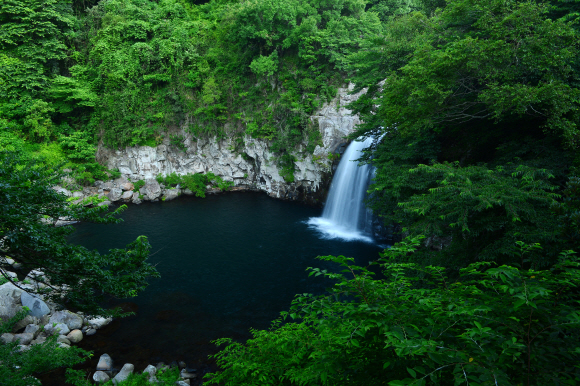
[[228, 263]]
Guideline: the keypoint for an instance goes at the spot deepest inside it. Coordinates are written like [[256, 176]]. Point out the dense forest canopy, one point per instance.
[[474, 108]]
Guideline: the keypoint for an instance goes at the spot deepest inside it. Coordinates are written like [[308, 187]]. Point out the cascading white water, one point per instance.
[[345, 215]]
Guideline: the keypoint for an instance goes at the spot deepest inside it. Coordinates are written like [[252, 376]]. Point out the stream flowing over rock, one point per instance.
[[256, 169]]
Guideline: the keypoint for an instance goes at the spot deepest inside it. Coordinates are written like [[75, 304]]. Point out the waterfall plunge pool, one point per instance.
[[228, 263]]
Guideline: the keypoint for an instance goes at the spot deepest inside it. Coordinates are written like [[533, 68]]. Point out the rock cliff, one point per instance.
[[257, 168]]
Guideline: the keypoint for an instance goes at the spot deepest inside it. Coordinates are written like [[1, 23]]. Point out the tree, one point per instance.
[[495, 325], [74, 276]]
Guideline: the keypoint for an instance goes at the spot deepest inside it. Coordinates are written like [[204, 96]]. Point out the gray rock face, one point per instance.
[[56, 328], [72, 321], [7, 337], [39, 340], [100, 377], [24, 322], [152, 188], [63, 339], [257, 169], [75, 336], [127, 186], [115, 194], [24, 338], [38, 308], [170, 194], [136, 199], [105, 363], [127, 195], [10, 302], [33, 329], [124, 373], [62, 190]]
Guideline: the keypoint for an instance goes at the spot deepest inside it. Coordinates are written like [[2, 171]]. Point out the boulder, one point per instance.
[[127, 186], [115, 194], [170, 194], [90, 331], [56, 328], [106, 185], [24, 338], [105, 363], [10, 302], [104, 203], [7, 338], [124, 373], [32, 329], [99, 322], [24, 322], [75, 336], [181, 383], [152, 188], [63, 339], [72, 321], [127, 195], [39, 340], [38, 307], [63, 345], [151, 370], [186, 375], [100, 377], [62, 190], [136, 199]]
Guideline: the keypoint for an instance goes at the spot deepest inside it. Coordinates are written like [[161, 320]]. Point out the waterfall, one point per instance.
[[345, 215]]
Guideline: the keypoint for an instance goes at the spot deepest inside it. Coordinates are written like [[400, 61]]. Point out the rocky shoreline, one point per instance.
[[106, 371], [43, 319]]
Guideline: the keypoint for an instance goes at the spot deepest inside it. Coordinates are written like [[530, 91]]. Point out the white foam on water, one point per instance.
[[329, 230]]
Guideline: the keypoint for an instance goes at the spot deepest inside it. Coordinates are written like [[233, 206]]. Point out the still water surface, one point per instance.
[[228, 263]]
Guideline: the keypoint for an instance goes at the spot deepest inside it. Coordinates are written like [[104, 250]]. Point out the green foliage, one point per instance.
[[177, 141], [495, 325], [19, 366], [480, 211], [77, 147], [286, 164], [138, 185], [483, 61], [195, 182], [26, 198]]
